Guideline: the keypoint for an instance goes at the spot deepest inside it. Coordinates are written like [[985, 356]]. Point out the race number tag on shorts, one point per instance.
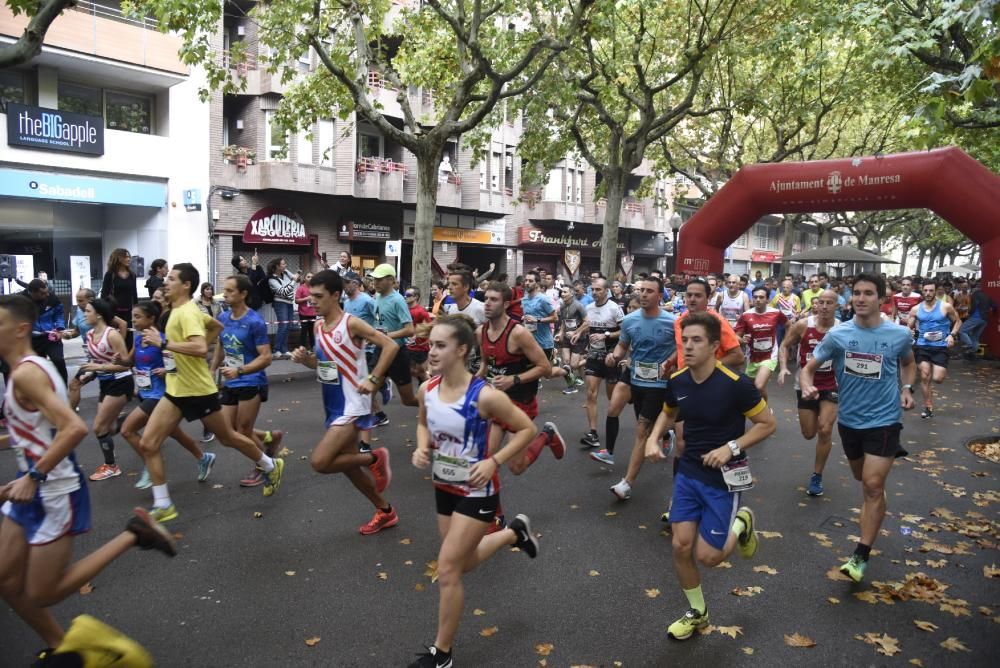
[[233, 361], [450, 469], [142, 379], [646, 370], [863, 365], [763, 345], [169, 363], [737, 475], [326, 372], [597, 342], [933, 336]]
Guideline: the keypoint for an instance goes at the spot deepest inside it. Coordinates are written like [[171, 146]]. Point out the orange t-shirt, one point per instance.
[[729, 338]]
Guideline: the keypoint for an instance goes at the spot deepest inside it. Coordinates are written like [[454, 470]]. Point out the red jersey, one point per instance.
[[500, 361], [904, 304], [419, 315], [515, 310], [763, 331], [824, 378]]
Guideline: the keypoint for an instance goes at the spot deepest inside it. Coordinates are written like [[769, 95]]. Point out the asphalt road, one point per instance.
[[249, 591]]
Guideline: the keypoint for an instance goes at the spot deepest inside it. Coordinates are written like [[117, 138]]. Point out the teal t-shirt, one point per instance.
[[391, 314]]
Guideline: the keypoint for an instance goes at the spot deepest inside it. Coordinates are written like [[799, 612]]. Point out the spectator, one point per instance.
[[307, 312], [258, 280], [46, 334], [119, 288], [158, 271], [282, 283]]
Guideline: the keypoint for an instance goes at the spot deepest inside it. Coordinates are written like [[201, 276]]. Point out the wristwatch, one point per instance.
[[239, 371], [734, 448], [908, 387], [37, 475], [163, 343], [517, 380], [373, 379]]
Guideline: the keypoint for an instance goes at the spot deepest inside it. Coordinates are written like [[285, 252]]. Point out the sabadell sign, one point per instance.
[[275, 226]]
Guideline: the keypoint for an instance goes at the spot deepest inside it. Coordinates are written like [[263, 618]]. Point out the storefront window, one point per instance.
[[129, 113], [80, 99], [11, 88]]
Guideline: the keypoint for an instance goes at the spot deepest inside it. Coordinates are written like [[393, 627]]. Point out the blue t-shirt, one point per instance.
[[652, 342], [80, 323], [540, 307], [391, 314], [362, 306], [586, 299], [866, 363], [714, 412], [239, 340], [148, 358]]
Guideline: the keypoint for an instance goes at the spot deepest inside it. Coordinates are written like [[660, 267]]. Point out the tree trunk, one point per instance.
[[824, 241], [904, 251], [423, 229], [615, 194], [788, 222], [920, 261]]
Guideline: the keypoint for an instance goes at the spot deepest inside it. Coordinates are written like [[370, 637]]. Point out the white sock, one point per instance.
[[738, 526], [266, 464], [161, 497]]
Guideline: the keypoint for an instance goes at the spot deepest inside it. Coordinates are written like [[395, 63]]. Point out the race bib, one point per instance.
[[933, 336], [232, 361], [597, 342], [763, 345], [737, 476], [142, 379], [450, 469], [570, 323], [169, 363], [326, 372], [530, 326], [649, 371], [863, 365]]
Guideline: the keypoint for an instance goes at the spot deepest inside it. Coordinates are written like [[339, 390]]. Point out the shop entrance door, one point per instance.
[[363, 264]]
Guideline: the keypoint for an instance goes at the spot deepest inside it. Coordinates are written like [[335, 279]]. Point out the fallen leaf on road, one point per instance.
[[724, 564], [419, 586], [983, 610], [769, 534], [866, 596], [911, 562], [764, 568], [593, 573], [289, 573], [937, 564], [258, 515], [953, 644], [925, 626], [956, 610], [432, 570], [217, 486], [833, 600], [284, 452], [610, 513], [486, 633], [478, 612], [991, 571], [747, 650], [311, 642], [544, 649], [835, 575], [796, 640], [405, 541], [652, 593], [86, 589], [747, 591], [884, 644], [383, 575], [731, 631], [916, 662]]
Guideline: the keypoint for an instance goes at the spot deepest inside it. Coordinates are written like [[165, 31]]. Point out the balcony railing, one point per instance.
[[379, 165], [113, 14], [247, 64]]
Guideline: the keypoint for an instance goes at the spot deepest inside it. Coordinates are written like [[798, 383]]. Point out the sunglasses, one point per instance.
[[409, 294]]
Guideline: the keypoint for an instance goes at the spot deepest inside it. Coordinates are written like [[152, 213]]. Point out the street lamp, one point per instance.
[[675, 226]]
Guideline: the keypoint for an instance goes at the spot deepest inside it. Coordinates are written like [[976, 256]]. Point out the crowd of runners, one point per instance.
[[694, 356]]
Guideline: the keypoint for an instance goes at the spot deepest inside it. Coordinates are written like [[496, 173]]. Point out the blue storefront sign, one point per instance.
[[73, 188], [53, 129]]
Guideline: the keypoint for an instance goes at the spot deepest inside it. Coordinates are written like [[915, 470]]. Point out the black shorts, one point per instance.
[[117, 387], [597, 368], [196, 408], [936, 355], [878, 441], [648, 401], [230, 396], [482, 508], [147, 406], [399, 370], [578, 348], [813, 404], [417, 356]]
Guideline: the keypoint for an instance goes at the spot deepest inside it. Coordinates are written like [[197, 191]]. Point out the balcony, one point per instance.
[[384, 95], [105, 31], [257, 80], [552, 210], [633, 214], [450, 192], [378, 178], [277, 175]]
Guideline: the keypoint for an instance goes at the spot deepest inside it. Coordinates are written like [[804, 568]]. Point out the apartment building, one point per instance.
[[104, 146]]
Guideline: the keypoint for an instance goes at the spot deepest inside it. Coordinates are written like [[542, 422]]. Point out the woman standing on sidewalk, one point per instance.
[[119, 284], [282, 283], [307, 312]]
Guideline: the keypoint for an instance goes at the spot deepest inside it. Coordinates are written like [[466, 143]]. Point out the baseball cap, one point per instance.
[[352, 276], [383, 270]]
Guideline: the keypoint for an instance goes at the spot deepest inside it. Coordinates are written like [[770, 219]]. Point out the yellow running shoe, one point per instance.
[[272, 480], [747, 541], [685, 627], [101, 646], [162, 515]]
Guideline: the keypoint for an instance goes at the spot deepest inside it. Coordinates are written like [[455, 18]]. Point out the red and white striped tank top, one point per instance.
[[101, 352]]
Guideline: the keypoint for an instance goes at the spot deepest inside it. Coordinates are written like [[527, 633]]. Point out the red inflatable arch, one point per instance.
[[947, 181]]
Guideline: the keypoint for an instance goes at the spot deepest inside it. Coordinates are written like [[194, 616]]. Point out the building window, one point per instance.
[[369, 145], [11, 88], [742, 241], [276, 139], [80, 99], [305, 147], [129, 113], [554, 187], [765, 237], [495, 171], [326, 142], [482, 175]]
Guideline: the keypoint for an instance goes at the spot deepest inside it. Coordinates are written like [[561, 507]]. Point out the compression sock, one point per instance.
[[863, 551], [536, 446], [696, 599], [265, 463], [161, 497], [611, 428], [739, 526], [107, 442]]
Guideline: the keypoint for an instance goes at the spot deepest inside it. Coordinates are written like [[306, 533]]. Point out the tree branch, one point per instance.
[[29, 44]]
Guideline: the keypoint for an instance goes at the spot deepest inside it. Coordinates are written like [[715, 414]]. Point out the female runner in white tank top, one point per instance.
[[454, 419]]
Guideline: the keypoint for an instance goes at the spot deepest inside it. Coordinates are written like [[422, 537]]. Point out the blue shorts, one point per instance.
[[713, 508], [47, 520]]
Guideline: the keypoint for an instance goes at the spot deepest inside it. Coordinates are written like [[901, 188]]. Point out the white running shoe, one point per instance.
[[622, 490]]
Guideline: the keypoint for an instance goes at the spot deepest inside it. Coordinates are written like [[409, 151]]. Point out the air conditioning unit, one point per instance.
[[239, 124], [241, 31]]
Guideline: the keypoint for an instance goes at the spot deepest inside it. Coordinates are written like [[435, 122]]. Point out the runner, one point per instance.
[[903, 301], [813, 291], [456, 413], [191, 393], [361, 305], [645, 337], [48, 504], [572, 346], [697, 299], [733, 302], [816, 416], [601, 331], [80, 328], [392, 318], [341, 369], [759, 329], [513, 363], [417, 346], [148, 372], [937, 325], [243, 353], [459, 287], [707, 519], [104, 345], [538, 318], [788, 303], [867, 355]]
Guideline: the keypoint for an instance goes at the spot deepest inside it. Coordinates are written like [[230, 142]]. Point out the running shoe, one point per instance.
[[622, 490], [685, 627], [570, 377], [747, 540], [272, 480], [603, 456], [105, 471], [571, 390], [149, 535], [253, 479], [579, 382], [815, 485], [556, 441], [669, 443], [205, 466], [274, 447], [386, 392], [380, 469], [433, 658], [928, 412], [591, 440], [96, 644], [380, 520], [526, 541], [207, 436], [144, 481], [164, 514], [855, 568], [381, 419]]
